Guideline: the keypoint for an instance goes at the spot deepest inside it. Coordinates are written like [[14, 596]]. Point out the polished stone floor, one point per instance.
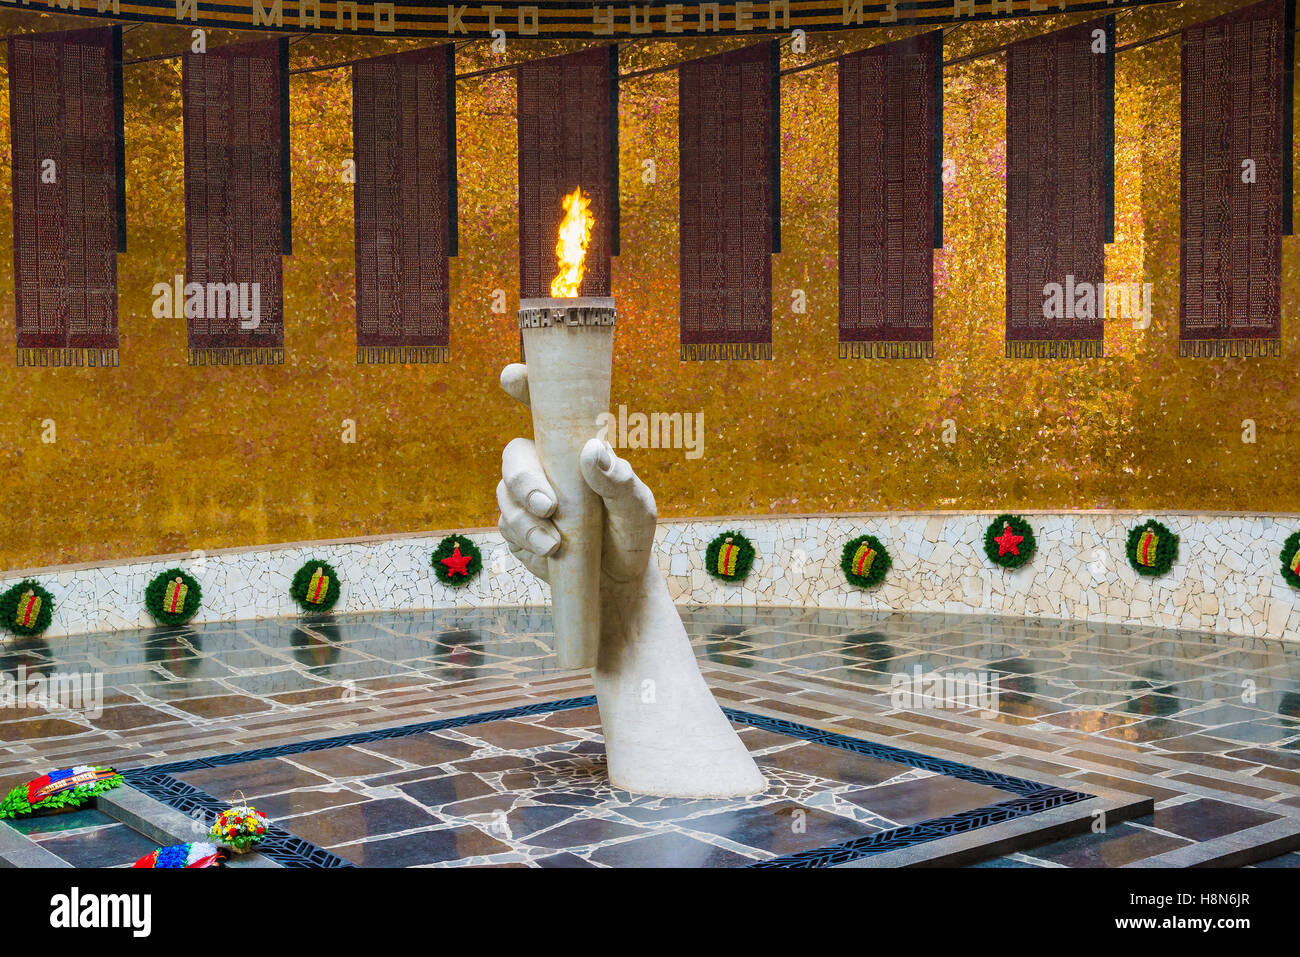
[[533, 790], [1208, 726], [85, 838]]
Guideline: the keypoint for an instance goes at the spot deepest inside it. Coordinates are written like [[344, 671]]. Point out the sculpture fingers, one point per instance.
[[522, 471], [531, 560], [518, 526], [629, 510], [508, 533], [627, 499], [514, 380]]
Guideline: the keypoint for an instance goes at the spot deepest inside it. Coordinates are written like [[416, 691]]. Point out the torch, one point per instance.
[[568, 345]]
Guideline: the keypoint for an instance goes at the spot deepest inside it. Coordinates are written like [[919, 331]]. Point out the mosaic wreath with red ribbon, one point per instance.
[[1009, 541], [729, 557], [1291, 560], [315, 586], [865, 561], [26, 608], [173, 597], [456, 561], [1152, 549]]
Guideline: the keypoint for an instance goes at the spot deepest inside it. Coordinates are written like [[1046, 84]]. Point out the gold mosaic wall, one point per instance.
[[156, 456]]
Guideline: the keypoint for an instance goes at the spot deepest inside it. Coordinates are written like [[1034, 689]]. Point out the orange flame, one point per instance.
[[571, 247]]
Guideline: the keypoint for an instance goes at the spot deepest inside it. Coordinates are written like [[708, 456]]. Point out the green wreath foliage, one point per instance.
[[1020, 527], [446, 548], [15, 802], [9, 608], [1166, 548], [880, 565], [744, 557], [302, 579], [1289, 549], [155, 594]]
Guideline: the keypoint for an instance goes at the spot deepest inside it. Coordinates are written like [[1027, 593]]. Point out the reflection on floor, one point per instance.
[[531, 788], [1209, 726], [85, 838]]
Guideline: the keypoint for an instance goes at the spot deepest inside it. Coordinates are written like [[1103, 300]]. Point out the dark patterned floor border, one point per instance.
[[160, 782]]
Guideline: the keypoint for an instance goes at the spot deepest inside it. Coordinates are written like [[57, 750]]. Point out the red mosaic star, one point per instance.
[[456, 562], [1008, 541]]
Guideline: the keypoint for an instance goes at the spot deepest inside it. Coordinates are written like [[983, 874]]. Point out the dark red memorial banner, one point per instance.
[[403, 132], [890, 99], [729, 140], [69, 222], [1232, 183], [568, 138], [1059, 156], [236, 113]]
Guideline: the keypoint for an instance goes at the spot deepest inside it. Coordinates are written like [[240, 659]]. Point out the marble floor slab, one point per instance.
[[532, 789]]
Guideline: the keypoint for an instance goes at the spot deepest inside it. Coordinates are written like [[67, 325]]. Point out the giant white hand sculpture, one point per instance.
[[664, 733]]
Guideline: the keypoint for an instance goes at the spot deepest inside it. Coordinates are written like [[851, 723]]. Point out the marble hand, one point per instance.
[[527, 503], [664, 732]]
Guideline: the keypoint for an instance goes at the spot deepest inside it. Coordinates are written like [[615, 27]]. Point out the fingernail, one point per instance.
[[541, 541], [539, 503], [605, 458]]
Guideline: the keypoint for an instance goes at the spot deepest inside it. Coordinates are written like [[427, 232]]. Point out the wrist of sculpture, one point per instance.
[[629, 607]]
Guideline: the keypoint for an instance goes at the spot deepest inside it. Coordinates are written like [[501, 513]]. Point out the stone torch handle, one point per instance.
[[568, 348]]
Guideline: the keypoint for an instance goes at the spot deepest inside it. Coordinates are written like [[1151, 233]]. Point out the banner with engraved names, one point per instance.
[[404, 135], [890, 196], [1233, 106], [1059, 159], [65, 113], [235, 105], [568, 139], [728, 131]]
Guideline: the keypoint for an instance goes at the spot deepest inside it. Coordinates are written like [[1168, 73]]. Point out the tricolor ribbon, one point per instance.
[[29, 606], [174, 602], [862, 560], [319, 586], [1146, 550], [727, 556], [56, 782]]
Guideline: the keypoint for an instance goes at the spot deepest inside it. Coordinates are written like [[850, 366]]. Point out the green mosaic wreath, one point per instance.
[[1004, 556], [1289, 550], [302, 581], [1166, 548], [717, 559], [447, 549], [879, 565], [15, 802], [155, 597], [13, 601]]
